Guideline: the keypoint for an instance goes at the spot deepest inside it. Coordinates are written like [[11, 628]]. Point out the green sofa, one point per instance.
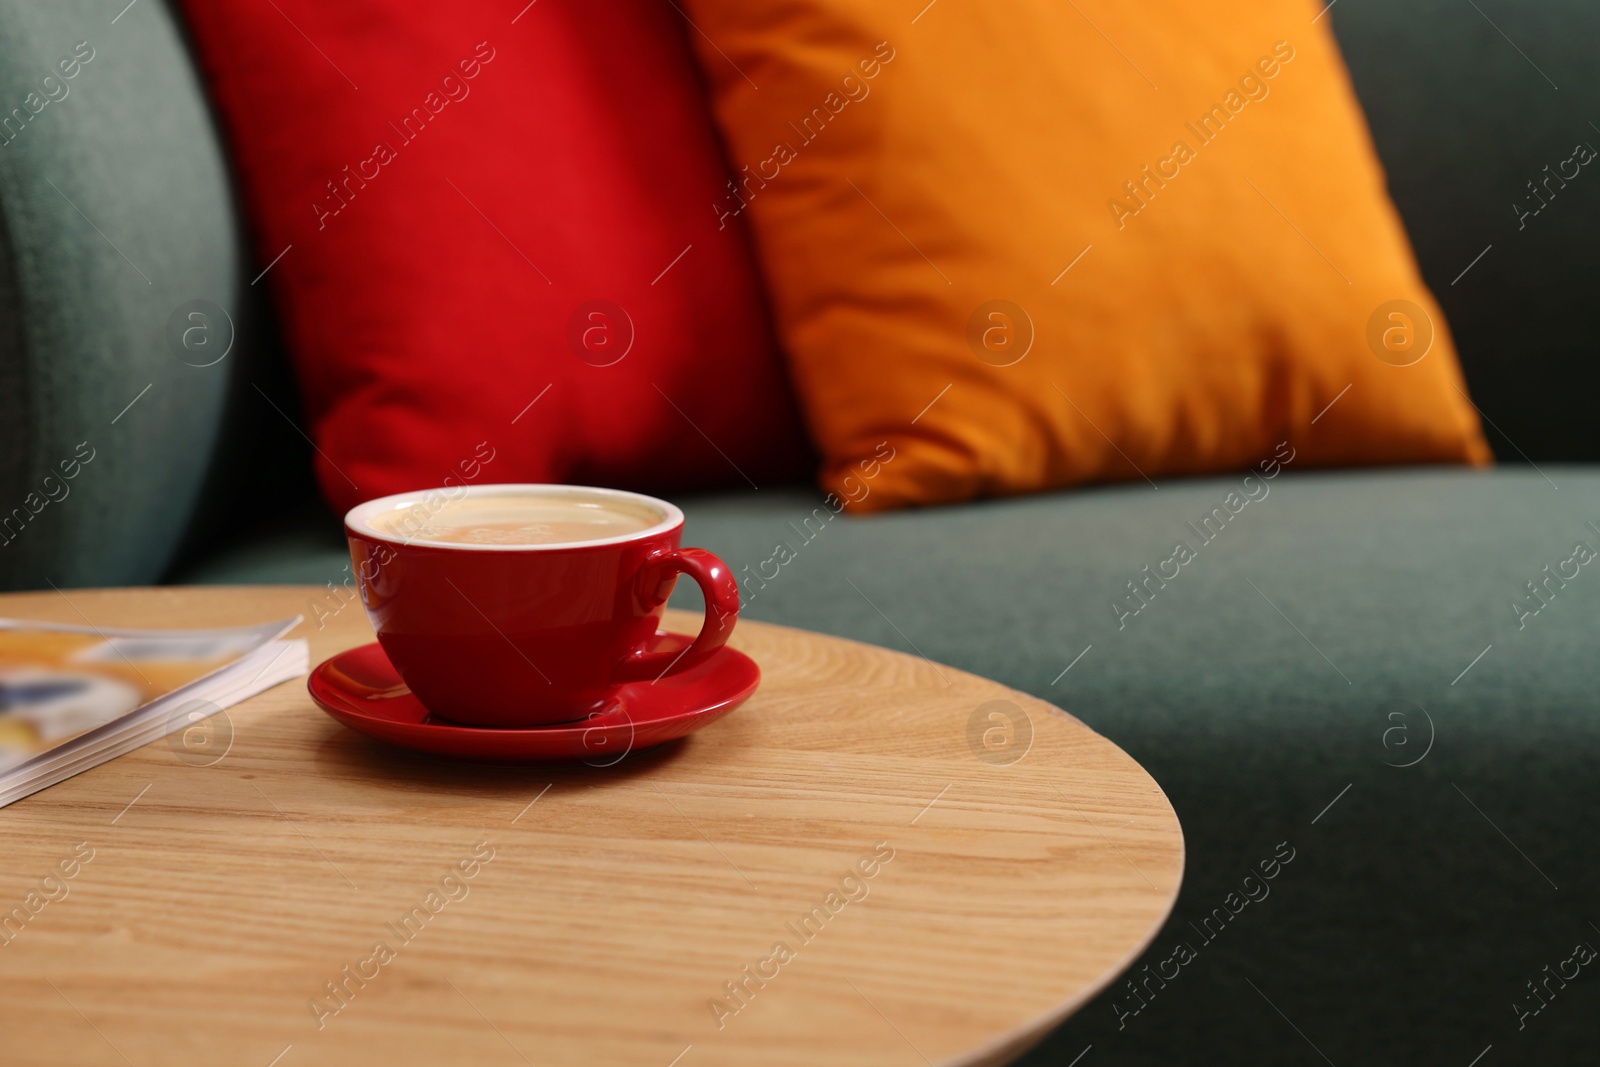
[[1356, 665]]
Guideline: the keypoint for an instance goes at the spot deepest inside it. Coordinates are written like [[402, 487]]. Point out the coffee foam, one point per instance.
[[514, 520]]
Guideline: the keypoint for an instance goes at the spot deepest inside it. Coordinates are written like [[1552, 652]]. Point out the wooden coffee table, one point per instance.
[[951, 867]]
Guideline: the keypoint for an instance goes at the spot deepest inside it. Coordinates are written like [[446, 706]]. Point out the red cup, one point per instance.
[[525, 635]]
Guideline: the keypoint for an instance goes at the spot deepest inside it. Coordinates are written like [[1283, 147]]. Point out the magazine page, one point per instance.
[[58, 682]]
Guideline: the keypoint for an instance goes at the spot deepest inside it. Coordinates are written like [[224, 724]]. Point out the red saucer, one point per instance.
[[360, 688]]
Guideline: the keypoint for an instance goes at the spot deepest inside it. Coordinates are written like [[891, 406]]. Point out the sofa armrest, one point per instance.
[[115, 215]]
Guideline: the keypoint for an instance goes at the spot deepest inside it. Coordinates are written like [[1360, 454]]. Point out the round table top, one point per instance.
[[877, 860]]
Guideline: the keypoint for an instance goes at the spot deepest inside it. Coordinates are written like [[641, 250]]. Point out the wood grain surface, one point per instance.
[[949, 866]]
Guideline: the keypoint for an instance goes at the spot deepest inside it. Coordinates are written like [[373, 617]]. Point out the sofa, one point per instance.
[[1383, 674]]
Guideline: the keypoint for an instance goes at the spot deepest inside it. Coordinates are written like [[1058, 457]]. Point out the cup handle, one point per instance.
[[721, 595]]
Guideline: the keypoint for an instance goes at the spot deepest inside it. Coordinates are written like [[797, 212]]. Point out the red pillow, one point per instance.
[[493, 247]]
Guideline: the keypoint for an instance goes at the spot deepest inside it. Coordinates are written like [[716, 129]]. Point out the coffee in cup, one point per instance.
[[518, 519]]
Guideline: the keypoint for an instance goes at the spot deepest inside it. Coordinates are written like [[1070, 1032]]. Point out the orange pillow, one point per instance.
[[1035, 244]]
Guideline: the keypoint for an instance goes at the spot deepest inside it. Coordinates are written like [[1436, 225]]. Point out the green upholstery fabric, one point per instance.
[[114, 211], [1406, 924], [1468, 103]]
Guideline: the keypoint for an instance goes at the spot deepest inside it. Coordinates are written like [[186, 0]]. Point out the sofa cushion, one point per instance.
[[1439, 81], [1335, 629], [999, 252], [494, 260]]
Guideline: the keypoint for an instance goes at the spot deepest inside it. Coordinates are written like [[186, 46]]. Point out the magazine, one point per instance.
[[72, 697]]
